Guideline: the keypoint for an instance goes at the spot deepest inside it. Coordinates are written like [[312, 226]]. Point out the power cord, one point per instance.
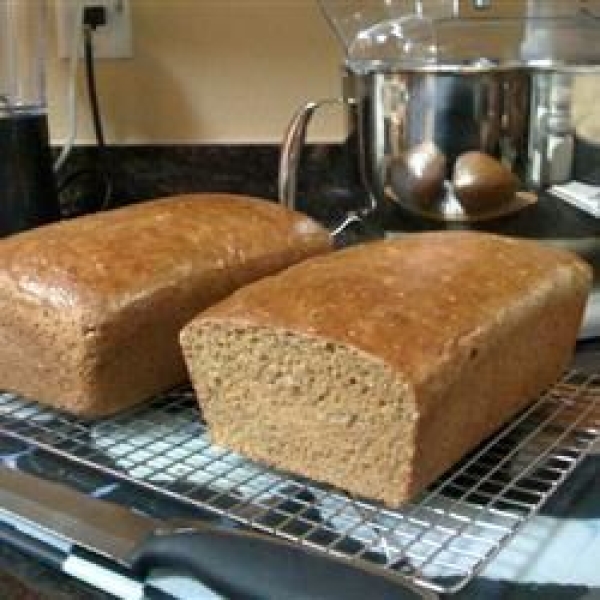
[[93, 17], [89, 19]]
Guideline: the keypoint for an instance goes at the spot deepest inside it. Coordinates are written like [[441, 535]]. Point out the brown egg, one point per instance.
[[417, 176], [482, 183]]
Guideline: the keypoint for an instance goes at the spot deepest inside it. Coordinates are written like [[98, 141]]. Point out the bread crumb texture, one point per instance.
[[374, 369]]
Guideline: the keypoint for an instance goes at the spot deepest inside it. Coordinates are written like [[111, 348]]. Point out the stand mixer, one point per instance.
[[467, 113]]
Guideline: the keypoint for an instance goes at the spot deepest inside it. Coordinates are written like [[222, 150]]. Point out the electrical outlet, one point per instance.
[[112, 40]]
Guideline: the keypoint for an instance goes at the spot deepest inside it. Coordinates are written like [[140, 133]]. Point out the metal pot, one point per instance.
[[446, 142]]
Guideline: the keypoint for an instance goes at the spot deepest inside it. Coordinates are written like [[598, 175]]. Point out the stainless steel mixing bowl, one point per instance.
[[449, 143]]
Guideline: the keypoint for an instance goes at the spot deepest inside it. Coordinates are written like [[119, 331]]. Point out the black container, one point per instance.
[[28, 195], [587, 161]]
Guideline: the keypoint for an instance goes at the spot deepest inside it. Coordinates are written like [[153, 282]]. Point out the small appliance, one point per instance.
[[461, 110], [28, 195]]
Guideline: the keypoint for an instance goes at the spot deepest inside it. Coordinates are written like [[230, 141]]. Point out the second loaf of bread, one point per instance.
[[90, 309], [376, 368]]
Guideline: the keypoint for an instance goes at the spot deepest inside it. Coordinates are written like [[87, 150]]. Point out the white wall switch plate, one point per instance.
[[113, 40]]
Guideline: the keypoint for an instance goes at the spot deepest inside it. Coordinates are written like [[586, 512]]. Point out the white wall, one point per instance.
[[221, 71], [208, 71]]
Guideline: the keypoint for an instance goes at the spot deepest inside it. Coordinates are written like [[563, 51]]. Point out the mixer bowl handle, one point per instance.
[[291, 149]]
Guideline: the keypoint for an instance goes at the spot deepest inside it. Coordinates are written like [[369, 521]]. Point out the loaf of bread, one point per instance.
[[90, 309], [376, 368]]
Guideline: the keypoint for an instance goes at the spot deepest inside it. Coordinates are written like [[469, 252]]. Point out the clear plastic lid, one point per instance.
[[477, 33]]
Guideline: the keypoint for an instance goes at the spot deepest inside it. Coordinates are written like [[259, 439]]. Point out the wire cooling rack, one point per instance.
[[439, 541]]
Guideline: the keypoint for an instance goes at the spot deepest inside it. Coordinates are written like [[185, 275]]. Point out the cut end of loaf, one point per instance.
[[320, 409]]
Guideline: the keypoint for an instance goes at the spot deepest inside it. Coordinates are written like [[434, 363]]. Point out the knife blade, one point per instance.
[[235, 563]]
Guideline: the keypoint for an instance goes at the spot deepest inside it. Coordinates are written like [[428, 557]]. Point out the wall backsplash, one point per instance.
[[222, 72], [209, 71]]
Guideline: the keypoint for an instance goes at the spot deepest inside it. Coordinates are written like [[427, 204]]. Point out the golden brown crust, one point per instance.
[[412, 302], [475, 325], [117, 258], [92, 306]]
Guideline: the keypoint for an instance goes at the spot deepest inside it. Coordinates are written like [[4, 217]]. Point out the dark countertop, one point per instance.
[[24, 578]]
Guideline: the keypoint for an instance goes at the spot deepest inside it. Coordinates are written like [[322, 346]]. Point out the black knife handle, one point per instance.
[[243, 565]]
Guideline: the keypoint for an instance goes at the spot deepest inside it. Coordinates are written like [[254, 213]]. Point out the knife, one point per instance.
[[237, 564]]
